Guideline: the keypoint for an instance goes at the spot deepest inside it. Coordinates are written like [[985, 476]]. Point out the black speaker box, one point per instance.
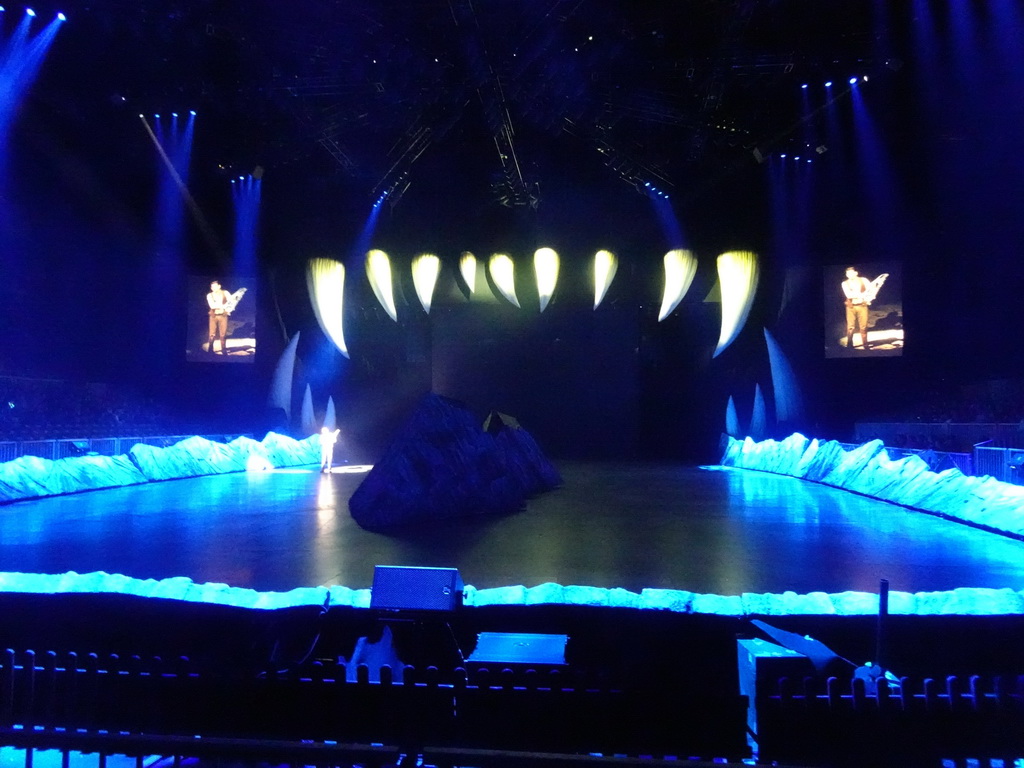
[[410, 588]]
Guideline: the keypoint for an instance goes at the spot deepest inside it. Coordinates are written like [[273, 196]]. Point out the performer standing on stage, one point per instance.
[[221, 304], [327, 441], [859, 293], [218, 300]]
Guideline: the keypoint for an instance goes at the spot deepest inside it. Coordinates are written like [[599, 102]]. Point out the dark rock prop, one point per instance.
[[443, 465]]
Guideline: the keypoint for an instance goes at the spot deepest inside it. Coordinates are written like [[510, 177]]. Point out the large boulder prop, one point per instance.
[[442, 464], [520, 454]]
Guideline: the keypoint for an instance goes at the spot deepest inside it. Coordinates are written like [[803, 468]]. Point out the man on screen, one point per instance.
[[221, 304], [859, 293]]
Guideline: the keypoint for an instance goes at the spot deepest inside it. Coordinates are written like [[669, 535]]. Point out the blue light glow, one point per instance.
[[61, 17], [853, 81], [157, 116], [828, 84], [192, 112], [30, 12], [783, 155], [804, 86]]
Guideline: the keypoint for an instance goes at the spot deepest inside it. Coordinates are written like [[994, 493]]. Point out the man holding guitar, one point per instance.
[[221, 304], [859, 292]]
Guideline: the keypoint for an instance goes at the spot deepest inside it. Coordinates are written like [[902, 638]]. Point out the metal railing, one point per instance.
[[105, 446], [936, 460]]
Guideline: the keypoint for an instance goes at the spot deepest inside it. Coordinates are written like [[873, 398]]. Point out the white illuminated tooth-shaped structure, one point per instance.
[[378, 270], [680, 267], [467, 268], [325, 279], [606, 264], [738, 273], [545, 265], [503, 273], [425, 269]]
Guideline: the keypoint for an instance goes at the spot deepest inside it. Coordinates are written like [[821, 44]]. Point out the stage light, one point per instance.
[[804, 87], [325, 279], [738, 274], [192, 112], [425, 269], [865, 78], [680, 267], [828, 84], [853, 81], [378, 270], [61, 17], [783, 155], [467, 268], [30, 12], [503, 274], [545, 266], [174, 114], [606, 264]]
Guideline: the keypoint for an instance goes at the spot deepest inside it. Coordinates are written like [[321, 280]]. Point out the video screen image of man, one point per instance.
[[226, 329], [868, 317]]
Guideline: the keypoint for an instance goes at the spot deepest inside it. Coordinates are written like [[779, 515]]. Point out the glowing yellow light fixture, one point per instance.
[[425, 269], [503, 273], [325, 280], [680, 267], [467, 268], [378, 270], [545, 265], [738, 273], [606, 264]]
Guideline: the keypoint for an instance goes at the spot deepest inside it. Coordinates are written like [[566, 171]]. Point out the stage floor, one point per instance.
[[708, 530]]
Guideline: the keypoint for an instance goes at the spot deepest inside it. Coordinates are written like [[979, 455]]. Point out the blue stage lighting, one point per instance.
[[853, 81], [61, 17], [783, 155], [174, 114], [157, 116], [797, 157], [2, 9], [192, 112], [828, 84], [804, 86], [30, 12]]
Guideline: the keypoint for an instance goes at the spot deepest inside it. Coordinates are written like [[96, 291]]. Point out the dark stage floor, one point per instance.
[[721, 531]]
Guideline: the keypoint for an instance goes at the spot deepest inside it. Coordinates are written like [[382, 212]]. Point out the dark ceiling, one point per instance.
[[376, 95]]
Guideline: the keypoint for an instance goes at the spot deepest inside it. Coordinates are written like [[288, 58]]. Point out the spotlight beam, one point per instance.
[[204, 226]]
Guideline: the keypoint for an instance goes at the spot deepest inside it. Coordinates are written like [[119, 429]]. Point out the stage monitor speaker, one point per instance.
[[411, 588]]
